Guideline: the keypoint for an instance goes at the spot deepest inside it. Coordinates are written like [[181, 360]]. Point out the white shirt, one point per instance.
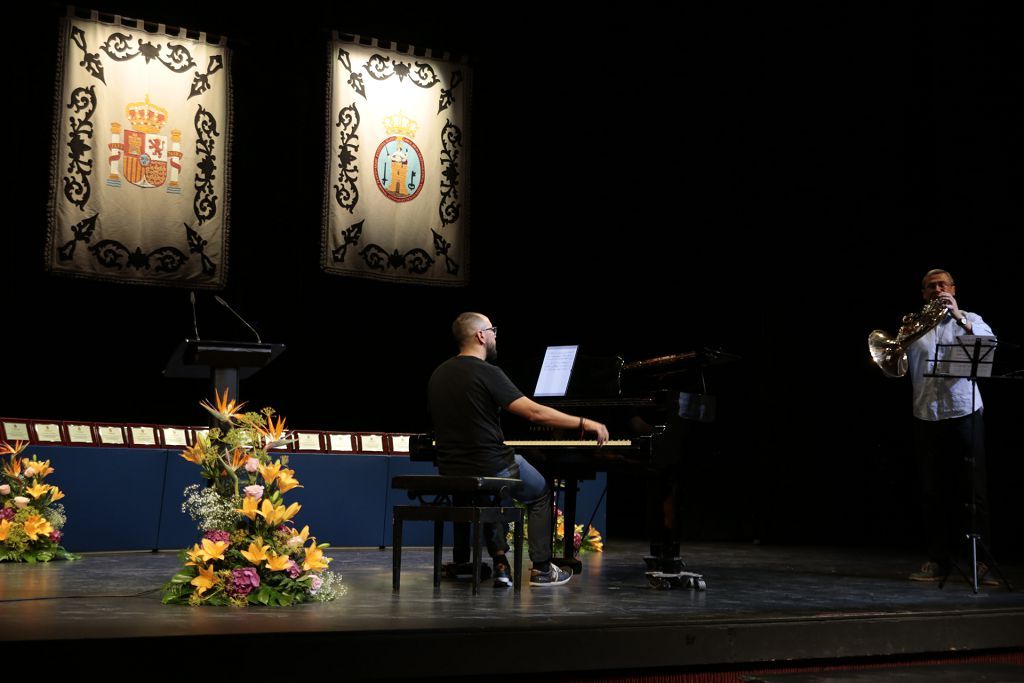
[[941, 398]]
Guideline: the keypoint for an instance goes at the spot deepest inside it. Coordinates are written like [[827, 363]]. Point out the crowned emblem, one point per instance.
[[144, 156], [398, 163]]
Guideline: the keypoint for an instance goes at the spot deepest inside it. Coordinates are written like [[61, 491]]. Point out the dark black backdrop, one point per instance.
[[771, 182]]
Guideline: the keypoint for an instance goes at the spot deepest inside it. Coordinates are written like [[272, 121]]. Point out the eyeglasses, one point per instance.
[[493, 328]]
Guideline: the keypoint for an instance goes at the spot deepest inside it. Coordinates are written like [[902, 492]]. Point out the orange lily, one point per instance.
[[42, 468], [270, 472], [300, 535], [277, 563], [286, 481], [213, 550], [194, 556], [8, 449], [275, 514], [225, 410], [196, 452], [257, 552], [250, 507], [206, 579], [55, 494], [5, 529], [38, 491], [315, 559], [35, 526]]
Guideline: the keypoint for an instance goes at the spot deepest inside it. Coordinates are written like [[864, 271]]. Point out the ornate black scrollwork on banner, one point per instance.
[[76, 184], [205, 202], [197, 245], [346, 192], [355, 80], [201, 82], [109, 253], [382, 68], [350, 236], [451, 145], [177, 58], [90, 60], [416, 261], [82, 232], [448, 94], [441, 248]]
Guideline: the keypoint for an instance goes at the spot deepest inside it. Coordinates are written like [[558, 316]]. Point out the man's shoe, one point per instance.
[[501, 576], [556, 576], [929, 571]]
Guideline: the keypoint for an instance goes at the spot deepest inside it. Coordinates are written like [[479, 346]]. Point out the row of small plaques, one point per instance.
[[148, 436]]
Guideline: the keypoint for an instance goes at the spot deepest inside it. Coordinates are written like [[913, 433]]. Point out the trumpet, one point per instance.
[[890, 354]]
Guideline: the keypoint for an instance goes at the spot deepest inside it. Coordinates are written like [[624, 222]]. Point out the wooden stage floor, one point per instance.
[[764, 605]]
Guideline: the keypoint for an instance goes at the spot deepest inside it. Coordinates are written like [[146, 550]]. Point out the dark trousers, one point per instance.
[[951, 476]]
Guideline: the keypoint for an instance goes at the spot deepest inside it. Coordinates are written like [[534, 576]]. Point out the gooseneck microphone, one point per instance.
[[225, 305], [195, 320]]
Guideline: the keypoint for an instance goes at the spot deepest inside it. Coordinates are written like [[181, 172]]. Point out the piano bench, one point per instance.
[[486, 492]]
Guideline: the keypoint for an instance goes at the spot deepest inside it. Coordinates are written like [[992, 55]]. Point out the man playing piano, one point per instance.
[[466, 395]]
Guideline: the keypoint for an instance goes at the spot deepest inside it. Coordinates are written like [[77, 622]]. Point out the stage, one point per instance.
[[765, 609]]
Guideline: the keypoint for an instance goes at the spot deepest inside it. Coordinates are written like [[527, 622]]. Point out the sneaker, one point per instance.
[[929, 571], [501, 576], [556, 576], [984, 577]]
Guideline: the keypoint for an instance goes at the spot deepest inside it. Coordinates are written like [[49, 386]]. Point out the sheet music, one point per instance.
[[555, 371], [954, 360]]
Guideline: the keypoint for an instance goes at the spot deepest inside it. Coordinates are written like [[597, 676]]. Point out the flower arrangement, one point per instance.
[[250, 553], [30, 522]]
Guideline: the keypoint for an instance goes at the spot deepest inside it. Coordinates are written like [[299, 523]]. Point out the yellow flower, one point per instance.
[[38, 491], [270, 472], [250, 507], [55, 494], [257, 552], [301, 535], [5, 529], [35, 526], [286, 481], [225, 410], [8, 449], [42, 468], [206, 579], [315, 559], [277, 563], [194, 556], [275, 514], [213, 550]]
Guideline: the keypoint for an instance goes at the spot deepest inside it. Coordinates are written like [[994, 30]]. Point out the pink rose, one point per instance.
[[5, 489], [254, 491], [30, 472], [252, 465], [21, 501]]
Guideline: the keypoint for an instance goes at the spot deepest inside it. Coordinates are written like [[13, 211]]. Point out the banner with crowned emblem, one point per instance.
[[396, 206], [141, 156]]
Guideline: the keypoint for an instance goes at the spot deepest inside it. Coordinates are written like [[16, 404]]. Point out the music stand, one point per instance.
[[225, 363], [969, 357]]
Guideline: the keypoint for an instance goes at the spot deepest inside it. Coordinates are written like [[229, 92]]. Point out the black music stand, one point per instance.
[[965, 360], [226, 363]]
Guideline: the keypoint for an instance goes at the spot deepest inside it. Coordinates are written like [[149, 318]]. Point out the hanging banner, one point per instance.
[[396, 205], [141, 156]]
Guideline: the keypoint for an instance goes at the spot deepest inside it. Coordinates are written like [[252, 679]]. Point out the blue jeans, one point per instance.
[[536, 496]]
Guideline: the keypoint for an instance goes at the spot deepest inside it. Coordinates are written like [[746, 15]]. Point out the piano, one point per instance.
[[647, 424]]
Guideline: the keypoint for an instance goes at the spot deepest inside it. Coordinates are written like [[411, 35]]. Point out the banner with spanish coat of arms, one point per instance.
[[398, 166], [141, 156]]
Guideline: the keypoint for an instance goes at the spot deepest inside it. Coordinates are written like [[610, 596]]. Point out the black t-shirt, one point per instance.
[[465, 397]]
